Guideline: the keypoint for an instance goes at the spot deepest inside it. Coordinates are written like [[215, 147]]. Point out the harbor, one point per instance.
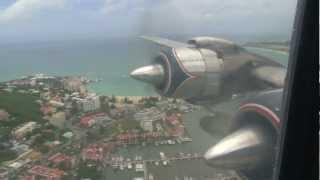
[[167, 161]]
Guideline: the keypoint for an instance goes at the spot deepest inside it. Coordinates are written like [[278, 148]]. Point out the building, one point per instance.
[[58, 119], [21, 131], [68, 135], [72, 84], [88, 104], [90, 120], [47, 110], [4, 174], [139, 167], [62, 159], [93, 152], [45, 172], [17, 165], [91, 103], [177, 131], [173, 120], [147, 117], [55, 103], [26, 178], [153, 114], [147, 125]]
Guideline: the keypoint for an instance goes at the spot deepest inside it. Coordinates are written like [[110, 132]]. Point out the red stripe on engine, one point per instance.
[[264, 111]]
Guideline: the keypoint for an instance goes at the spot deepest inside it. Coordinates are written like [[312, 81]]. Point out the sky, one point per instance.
[[40, 20]]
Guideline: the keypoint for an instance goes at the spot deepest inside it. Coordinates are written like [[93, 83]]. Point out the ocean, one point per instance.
[[109, 59]]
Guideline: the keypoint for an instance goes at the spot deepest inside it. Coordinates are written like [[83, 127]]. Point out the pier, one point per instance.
[[148, 161]]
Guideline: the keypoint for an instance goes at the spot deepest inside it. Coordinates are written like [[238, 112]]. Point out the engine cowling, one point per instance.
[[188, 73], [251, 144]]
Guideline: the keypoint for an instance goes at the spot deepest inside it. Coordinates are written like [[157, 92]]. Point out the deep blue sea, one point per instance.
[[109, 59]]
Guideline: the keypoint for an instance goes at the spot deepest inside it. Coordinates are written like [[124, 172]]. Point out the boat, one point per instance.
[[165, 163], [162, 155], [121, 167], [151, 177], [129, 166], [139, 167]]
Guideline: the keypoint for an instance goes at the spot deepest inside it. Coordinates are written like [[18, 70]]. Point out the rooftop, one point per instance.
[[59, 157], [46, 172]]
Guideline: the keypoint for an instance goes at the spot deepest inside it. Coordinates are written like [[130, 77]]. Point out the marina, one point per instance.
[[165, 161]]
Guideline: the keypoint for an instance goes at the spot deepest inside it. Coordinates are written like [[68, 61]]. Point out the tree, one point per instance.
[[88, 172], [113, 99], [74, 108], [43, 148], [112, 106], [174, 101], [126, 100], [6, 155], [105, 107]]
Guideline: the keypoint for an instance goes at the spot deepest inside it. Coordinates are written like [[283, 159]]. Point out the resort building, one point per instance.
[[88, 104]]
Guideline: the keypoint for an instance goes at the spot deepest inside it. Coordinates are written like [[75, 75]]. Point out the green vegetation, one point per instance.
[[105, 107], [113, 99], [20, 106], [126, 100], [86, 171], [129, 125], [4, 133], [150, 101], [111, 130], [7, 155], [43, 149]]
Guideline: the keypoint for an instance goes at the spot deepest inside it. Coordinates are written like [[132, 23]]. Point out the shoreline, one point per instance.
[[277, 50]]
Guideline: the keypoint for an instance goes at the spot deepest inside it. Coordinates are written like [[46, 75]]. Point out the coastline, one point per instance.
[[274, 50], [122, 85]]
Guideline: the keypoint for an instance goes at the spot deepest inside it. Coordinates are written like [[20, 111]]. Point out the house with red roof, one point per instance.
[[39, 171]]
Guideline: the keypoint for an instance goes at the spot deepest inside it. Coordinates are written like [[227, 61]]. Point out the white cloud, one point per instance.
[[147, 17], [22, 9]]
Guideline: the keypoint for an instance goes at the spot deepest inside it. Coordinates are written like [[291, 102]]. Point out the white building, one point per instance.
[[90, 103], [72, 83], [21, 131], [58, 119], [68, 135], [147, 117], [56, 103], [147, 125], [149, 114]]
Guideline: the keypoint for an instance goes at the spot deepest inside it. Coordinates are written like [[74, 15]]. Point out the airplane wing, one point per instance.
[[274, 76], [166, 42]]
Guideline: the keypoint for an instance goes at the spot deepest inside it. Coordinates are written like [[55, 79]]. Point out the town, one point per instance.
[[53, 128]]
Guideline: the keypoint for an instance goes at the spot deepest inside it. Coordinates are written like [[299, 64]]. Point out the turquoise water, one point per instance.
[[111, 60]]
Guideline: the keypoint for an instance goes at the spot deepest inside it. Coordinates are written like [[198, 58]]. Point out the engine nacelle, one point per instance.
[[190, 73], [221, 46], [205, 70], [184, 72], [251, 145]]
